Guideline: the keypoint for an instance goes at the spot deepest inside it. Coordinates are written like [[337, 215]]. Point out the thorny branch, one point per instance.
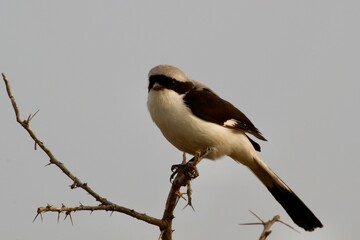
[[69, 210], [77, 183], [165, 223]]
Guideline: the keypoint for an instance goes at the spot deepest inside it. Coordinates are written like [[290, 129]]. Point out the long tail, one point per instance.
[[292, 204]]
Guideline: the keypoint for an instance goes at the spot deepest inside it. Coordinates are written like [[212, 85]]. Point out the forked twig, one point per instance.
[[267, 225]]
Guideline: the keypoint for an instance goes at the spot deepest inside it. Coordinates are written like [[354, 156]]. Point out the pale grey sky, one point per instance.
[[291, 66]]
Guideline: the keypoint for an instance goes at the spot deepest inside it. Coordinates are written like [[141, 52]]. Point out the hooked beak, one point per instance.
[[157, 86]]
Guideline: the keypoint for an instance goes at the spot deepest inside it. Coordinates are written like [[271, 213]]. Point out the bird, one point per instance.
[[193, 118]]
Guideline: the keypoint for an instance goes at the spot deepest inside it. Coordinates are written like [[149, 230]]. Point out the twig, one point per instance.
[[267, 225], [68, 210]]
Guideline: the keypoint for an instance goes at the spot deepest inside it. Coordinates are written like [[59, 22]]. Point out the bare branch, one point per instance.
[[53, 160]]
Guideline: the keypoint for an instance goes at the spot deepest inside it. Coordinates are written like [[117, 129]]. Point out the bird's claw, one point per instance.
[[189, 168]]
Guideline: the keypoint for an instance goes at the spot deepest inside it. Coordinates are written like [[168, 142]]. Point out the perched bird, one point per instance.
[[194, 118]]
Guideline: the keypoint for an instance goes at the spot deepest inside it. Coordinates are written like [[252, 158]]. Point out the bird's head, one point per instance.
[[169, 77]]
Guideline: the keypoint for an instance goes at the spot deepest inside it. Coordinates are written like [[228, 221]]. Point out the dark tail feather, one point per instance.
[[292, 204], [296, 209]]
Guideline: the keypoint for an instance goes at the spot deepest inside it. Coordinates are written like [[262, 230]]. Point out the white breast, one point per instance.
[[187, 132]]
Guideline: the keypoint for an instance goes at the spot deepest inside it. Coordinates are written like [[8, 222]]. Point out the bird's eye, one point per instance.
[[172, 83]]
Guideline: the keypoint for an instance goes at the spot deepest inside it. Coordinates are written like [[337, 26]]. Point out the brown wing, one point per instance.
[[208, 106]]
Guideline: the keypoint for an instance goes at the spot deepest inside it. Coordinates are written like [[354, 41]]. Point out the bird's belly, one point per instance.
[[189, 133], [188, 138], [192, 138]]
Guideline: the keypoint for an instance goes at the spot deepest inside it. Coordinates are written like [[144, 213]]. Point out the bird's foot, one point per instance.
[[189, 168]]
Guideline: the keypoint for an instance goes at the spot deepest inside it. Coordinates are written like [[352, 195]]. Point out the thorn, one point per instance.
[[288, 225], [48, 206], [180, 195], [63, 205], [257, 217], [35, 145], [81, 205], [28, 119], [38, 213], [74, 185], [111, 213], [68, 213], [31, 117], [72, 223], [257, 223], [58, 217], [244, 224], [189, 204], [48, 163]]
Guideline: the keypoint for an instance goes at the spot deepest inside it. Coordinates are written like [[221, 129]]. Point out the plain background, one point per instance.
[[291, 66]]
